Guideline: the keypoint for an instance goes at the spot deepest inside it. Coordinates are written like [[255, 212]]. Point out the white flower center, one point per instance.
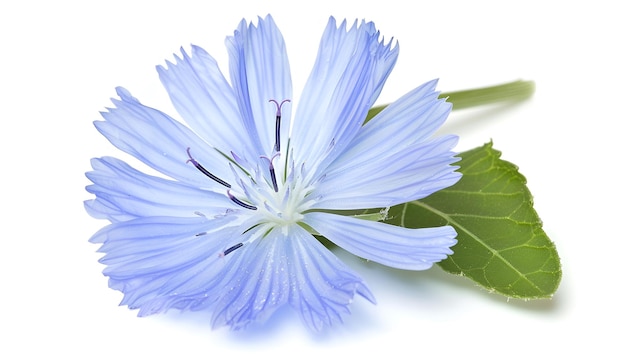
[[276, 190], [286, 205]]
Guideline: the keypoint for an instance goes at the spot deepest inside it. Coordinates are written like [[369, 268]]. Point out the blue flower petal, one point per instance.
[[413, 118], [256, 295], [392, 160], [159, 141], [206, 101], [324, 286], [145, 255], [346, 79], [260, 72], [394, 246], [395, 178], [287, 267], [124, 193]]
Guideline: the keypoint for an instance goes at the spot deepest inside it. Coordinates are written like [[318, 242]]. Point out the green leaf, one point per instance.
[[501, 243]]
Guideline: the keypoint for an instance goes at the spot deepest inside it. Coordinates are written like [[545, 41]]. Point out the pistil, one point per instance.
[[278, 118]]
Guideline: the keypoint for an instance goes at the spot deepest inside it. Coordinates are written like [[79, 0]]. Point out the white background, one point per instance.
[[60, 62]]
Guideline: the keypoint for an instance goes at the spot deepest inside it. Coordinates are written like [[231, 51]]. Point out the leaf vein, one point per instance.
[[493, 252]]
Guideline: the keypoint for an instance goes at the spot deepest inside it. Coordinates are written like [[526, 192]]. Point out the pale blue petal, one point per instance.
[[206, 101], [287, 267], [257, 294], [346, 79], [123, 193], [147, 254], [161, 142], [392, 160], [413, 118], [394, 246], [413, 173], [322, 286], [259, 70]]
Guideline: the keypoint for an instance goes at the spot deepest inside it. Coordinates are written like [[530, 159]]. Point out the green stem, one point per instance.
[[515, 91], [509, 92]]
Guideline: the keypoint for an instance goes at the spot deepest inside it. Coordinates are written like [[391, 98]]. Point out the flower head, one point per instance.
[[246, 184]]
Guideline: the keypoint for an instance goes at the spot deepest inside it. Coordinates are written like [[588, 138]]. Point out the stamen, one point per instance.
[[278, 117], [272, 171], [231, 249], [291, 173], [286, 198], [239, 160], [303, 171], [239, 202], [204, 171], [331, 145]]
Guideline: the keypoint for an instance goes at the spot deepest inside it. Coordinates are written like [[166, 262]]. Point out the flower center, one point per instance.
[[272, 188]]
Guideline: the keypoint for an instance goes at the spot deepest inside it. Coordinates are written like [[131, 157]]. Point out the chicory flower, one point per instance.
[[230, 226]]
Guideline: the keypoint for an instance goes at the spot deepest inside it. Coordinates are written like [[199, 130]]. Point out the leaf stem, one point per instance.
[[515, 91]]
